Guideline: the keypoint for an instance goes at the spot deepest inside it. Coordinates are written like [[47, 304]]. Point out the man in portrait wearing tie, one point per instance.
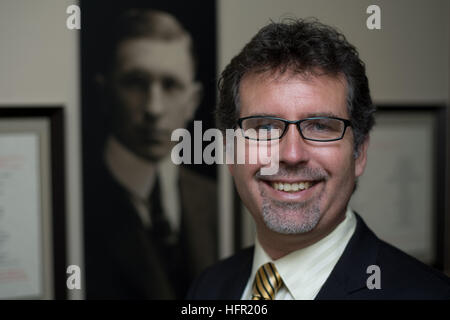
[[304, 84], [149, 225]]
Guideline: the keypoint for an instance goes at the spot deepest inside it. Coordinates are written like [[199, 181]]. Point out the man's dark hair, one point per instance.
[[299, 47], [146, 23]]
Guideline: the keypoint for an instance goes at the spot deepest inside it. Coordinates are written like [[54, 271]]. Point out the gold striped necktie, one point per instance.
[[267, 282]]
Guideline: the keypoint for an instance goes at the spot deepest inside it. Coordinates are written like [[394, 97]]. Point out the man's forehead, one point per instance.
[[171, 56], [312, 91], [280, 75]]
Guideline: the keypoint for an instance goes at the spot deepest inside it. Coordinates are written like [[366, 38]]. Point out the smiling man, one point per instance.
[[304, 84]]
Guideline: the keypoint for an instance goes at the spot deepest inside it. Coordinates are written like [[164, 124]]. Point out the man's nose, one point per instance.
[[293, 148], [154, 104]]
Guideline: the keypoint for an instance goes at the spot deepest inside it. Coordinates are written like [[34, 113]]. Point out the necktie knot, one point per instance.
[[267, 282]]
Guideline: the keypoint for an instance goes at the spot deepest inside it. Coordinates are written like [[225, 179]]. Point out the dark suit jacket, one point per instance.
[[402, 276], [121, 261]]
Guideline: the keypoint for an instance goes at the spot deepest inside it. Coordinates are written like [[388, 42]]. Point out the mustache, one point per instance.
[[295, 173]]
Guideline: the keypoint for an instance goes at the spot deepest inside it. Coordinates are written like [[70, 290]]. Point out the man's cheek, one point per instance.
[[131, 100], [264, 155]]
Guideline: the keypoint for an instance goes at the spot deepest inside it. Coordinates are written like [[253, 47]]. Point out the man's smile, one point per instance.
[[298, 190], [292, 187]]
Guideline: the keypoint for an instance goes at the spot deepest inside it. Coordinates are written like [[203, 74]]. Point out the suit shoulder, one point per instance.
[[232, 261], [211, 283], [195, 179], [198, 190], [400, 270]]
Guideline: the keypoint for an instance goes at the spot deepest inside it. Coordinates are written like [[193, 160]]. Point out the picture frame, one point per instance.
[[32, 203], [401, 194], [185, 195]]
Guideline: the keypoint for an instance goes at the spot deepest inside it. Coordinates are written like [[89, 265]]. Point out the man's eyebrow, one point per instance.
[[263, 115], [134, 72], [321, 114]]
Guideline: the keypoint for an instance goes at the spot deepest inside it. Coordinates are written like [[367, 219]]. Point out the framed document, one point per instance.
[[32, 203], [401, 193]]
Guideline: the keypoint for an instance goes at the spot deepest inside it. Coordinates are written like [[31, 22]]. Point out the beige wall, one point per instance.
[[407, 60], [39, 66]]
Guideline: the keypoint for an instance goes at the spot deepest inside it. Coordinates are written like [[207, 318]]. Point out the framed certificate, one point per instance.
[[401, 194], [32, 203]]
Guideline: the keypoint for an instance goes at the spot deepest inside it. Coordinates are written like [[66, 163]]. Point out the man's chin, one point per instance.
[[291, 219], [290, 228]]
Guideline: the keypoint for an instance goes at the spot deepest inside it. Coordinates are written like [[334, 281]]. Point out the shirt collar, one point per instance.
[[308, 268], [137, 176], [134, 173]]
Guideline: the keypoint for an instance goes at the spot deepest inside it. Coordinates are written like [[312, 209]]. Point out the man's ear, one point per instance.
[[361, 159], [226, 148], [229, 147], [99, 80], [193, 101]]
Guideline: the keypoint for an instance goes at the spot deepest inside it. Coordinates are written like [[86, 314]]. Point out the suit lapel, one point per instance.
[[349, 275], [234, 287], [198, 220], [135, 255]]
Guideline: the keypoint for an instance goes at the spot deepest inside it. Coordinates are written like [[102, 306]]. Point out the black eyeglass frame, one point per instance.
[[347, 123]]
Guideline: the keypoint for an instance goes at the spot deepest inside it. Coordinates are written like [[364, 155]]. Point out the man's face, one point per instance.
[[327, 169], [151, 92]]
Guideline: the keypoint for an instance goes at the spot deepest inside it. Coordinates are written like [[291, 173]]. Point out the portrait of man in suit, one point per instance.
[[305, 85], [149, 225]]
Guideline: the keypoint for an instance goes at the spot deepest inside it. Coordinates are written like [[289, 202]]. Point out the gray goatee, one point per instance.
[[293, 217]]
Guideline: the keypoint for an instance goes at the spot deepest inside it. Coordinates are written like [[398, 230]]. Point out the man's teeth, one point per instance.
[[291, 187]]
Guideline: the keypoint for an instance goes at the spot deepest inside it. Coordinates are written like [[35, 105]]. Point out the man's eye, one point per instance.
[[171, 84], [322, 125], [135, 82], [267, 126]]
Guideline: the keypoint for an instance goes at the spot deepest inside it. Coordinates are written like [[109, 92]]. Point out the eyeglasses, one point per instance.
[[265, 128]]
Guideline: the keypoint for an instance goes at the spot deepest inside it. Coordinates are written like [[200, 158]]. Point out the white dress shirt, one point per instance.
[[305, 271], [137, 176]]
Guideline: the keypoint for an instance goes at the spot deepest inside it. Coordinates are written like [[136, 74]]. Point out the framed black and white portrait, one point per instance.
[[148, 68]]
